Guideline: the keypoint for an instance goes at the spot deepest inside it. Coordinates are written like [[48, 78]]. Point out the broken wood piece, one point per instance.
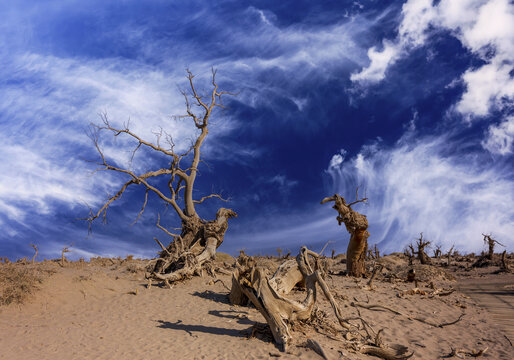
[[377, 269], [316, 347], [387, 354]]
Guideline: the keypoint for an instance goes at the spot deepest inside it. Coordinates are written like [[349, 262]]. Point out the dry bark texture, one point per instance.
[[190, 251], [263, 292], [357, 225], [252, 283]]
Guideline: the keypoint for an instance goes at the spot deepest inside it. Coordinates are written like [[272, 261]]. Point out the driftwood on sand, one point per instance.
[[252, 283]]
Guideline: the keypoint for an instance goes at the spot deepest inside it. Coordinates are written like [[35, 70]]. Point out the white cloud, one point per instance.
[[47, 120], [416, 187], [417, 16], [282, 181], [379, 62], [489, 86], [486, 28], [35, 182], [500, 138], [337, 159]]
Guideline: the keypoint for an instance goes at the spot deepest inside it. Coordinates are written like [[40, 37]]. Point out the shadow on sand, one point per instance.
[[201, 328], [231, 314], [211, 295]]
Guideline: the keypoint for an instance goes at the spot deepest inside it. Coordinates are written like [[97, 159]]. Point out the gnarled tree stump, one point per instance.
[[357, 225], [188, 253]]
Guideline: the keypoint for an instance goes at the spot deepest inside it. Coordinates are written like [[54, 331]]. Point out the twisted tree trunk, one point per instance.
[[357, 225], [191, 251], [422, 255]]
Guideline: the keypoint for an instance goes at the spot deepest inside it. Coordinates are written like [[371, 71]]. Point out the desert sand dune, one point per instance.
[[89, 311]]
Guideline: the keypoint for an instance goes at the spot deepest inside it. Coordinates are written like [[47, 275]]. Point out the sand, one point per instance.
[[90, 311]]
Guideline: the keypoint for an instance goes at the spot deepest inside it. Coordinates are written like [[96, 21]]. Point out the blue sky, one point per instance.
[[411, 101]]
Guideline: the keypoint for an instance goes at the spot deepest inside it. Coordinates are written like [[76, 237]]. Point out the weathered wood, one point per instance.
[[356, 224], [286, 277]]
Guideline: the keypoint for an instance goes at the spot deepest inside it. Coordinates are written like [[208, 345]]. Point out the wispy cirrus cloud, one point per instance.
[[46, 108], [500, 138], [425, 184]]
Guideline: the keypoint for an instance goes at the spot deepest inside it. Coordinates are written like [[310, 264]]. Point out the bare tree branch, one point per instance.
[[143, 208], [198, 240], [208, 197]]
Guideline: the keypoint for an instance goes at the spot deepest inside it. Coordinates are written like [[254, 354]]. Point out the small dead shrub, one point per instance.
[[134, 268], [17, 283], [80, 278]]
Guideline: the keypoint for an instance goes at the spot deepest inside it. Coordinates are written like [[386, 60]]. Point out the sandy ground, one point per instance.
[[494, 293], [87, 311]]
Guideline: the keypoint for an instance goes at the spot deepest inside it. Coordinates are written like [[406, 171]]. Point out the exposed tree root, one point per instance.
[[376, 307], [377, 269], [462, 353], [191, 253]]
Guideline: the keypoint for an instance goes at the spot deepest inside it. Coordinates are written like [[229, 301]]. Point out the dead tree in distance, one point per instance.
[[409, 253], [504, 265], [490, 242], [191, 249], [422, 255], [449, 255], [357, 225], [437, 251], [35, 249]]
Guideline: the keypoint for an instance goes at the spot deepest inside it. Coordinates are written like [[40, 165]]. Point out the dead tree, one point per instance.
[[437, 252], [377, 252], [504, 265], [449, 255], [356, 224], [409, 252], [192, 249], [490, 242], [35, 254], [422, 255], [63, 258]]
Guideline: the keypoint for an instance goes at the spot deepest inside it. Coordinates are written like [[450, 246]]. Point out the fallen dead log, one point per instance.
[[251, 283]]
